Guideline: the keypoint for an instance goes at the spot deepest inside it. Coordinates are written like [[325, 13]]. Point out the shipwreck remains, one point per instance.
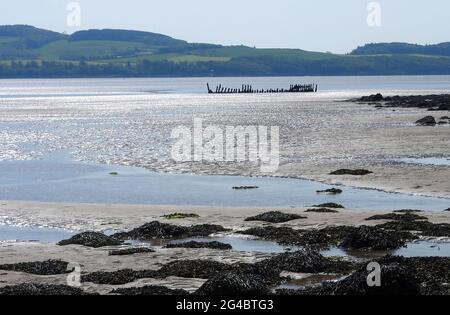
[[248, 89]]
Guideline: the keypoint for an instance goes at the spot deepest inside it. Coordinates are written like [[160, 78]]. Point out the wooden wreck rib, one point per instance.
[[248, 89]]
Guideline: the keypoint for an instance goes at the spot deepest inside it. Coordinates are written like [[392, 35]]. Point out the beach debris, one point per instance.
[[33, 289], [114, 174], [234, 283], [245, 187], [322, 210], [91, 239], [177, 215], [357, 172], [149, 290], [330, 205], [445, 118], [160, 230], [331, 191], [193, 244], [42, 268], [131, 251], [276, 217], [426, 121]]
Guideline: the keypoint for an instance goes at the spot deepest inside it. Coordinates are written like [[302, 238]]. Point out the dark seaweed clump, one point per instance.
[[29, 289], [42, 268], [399, 276], [131, 251], [363, 237], [193, 244], [91, 239], [397, 217], [275, 217], [149, 291], [160, 230], [322, 210], [330, 205]]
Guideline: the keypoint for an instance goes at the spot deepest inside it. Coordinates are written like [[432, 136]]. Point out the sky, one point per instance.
[[316, 25]]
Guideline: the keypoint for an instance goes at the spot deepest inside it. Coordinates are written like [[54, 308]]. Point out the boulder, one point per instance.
[[426, 121]]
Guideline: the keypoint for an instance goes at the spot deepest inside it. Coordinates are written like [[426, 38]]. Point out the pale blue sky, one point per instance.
[[320, 25]]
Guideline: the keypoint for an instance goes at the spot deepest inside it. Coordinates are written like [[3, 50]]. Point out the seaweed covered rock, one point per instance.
[[331, 191], [275, 217], [307, 262], [29, 289], [234, 284], [200, 269], [399, 276], [193, 244], [42, 268], [330, 205], [425, 227], [282, 235], [357, 172], [91, 239], [160, 230], [427, 121], [366, 237], [131, 251], [205, 230], [396, 280], [149, 290], [153, 230], [322, 210], [397, 217], [372, 98], [118, 277]]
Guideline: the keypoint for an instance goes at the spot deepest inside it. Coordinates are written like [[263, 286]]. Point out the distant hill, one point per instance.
[[442, 49], [26, 51]]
